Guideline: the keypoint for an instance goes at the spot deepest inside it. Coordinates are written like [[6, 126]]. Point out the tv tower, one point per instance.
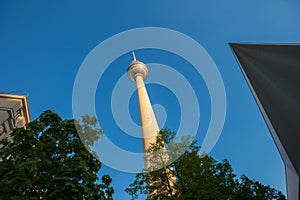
[[138, 72]]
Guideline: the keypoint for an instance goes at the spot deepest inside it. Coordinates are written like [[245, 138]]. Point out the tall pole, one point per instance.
[[138, 72]]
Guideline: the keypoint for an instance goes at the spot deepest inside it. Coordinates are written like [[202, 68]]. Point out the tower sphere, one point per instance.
[[137, 68]]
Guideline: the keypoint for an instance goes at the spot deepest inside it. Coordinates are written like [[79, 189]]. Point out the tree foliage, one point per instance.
[[48, 160], [194, 177]]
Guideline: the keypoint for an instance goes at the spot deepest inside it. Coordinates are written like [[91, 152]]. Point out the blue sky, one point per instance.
[[42, 46]]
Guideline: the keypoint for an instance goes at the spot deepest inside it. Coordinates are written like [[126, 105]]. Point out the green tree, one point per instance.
[[253, 190], [196, 177], [48, 160]]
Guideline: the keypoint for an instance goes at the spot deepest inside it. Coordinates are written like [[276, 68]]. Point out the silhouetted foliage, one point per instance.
[[48, 160], [195, 177]]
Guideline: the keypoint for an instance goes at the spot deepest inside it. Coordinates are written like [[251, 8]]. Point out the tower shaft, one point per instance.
[[149, 124]]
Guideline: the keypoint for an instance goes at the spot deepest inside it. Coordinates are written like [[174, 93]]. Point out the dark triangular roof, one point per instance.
[[273, 75]]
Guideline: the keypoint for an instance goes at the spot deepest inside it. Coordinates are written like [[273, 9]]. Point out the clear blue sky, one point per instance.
[[42, 45]]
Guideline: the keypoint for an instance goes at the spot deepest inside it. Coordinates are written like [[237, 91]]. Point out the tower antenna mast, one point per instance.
[[133, 55]]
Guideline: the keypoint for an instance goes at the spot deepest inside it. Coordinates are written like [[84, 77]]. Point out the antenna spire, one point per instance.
[[133, 54]]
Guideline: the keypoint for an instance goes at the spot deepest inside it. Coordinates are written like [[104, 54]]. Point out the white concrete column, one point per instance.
[[149, 124]]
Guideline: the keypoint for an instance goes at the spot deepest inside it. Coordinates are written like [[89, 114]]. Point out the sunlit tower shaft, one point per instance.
[[137, 72]]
